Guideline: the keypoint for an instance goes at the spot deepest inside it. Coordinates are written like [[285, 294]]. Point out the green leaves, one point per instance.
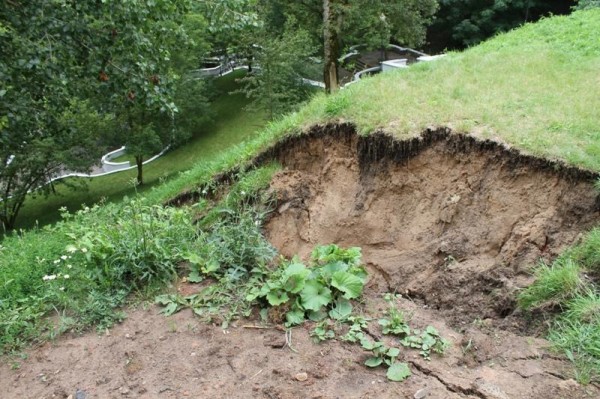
[[348, 283], [315, 295], [398, 372], [277, 298], [323, 289], [295, 277], [374, 362], [427, 341], [341, 310], [295, 316], [332, 254], [382, 354]]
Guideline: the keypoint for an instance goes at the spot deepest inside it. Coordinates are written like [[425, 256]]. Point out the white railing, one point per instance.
[[108, 166]]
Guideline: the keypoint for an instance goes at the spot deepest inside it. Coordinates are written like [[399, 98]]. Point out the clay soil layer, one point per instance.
[[451, 223]]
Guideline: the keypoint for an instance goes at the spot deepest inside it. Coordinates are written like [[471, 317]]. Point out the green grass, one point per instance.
[[530, 88], [553, 284], [566, 284], [85, 267], [231, 126]]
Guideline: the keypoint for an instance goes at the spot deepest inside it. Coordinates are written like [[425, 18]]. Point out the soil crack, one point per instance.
[[454, 388]]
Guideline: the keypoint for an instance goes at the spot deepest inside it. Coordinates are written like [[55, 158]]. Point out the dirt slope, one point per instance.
[[451, 223], [445, 219]]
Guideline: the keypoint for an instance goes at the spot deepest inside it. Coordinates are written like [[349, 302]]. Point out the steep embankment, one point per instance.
[[452, 221]]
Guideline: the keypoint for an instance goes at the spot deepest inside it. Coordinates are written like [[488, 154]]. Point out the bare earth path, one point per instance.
[[152, 356]]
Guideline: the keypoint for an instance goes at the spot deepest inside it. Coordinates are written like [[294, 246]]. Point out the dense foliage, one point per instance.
[[77, 76], [463, 23], [47, 126], [336, 25], [84, 268]]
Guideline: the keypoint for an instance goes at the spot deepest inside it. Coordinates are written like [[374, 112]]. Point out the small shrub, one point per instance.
[[233, 245], [326, 288]]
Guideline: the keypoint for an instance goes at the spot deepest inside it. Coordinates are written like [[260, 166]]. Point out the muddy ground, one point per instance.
[[451, 223]]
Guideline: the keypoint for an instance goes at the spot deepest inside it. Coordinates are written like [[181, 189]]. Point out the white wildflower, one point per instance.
[[57, 261], [243, 193], [62, 288], [69, 266], [66, 276], [84, 250], [49, 277], [64, 257], [71, 249]]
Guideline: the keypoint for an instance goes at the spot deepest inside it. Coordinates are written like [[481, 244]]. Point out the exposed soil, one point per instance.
[[453, 224], [447, 220]]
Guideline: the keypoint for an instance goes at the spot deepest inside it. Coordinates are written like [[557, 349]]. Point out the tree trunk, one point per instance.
[[331, 49], [139, 162]]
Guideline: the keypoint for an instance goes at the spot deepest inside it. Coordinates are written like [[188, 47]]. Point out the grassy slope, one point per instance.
[[534, 88], [230, 127]]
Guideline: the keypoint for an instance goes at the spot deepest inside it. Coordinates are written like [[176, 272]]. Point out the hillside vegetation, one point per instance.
[[531, 88]]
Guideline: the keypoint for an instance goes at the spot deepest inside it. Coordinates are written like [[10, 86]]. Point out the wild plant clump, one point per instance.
[[570, 284], [85, 267]]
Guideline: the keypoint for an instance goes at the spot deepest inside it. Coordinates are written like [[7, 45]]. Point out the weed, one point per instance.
[[587, 253], [553, 284], [576, 331], [322, 331], [584, 307], [231, 245], [356, 331], [381, 354], [426, 341], [581, 342], [336, 105], [334, 278], [395, 323]]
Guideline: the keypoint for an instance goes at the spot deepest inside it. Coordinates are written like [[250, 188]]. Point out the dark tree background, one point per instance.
[[464, 23]]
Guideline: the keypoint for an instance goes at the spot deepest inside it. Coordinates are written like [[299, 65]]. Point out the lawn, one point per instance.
[[231, 125]]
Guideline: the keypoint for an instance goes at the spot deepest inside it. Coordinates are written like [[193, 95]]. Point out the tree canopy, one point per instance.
[[65, 67]]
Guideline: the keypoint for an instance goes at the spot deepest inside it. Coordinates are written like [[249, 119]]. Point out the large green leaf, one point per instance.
[[316, 315], [398, 372], [330, 268], [295, 277], [393, 352], [347, 283], [341, 310], [315, 295], [277, 298], [195, 277], [373, 361], [294, 317]]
